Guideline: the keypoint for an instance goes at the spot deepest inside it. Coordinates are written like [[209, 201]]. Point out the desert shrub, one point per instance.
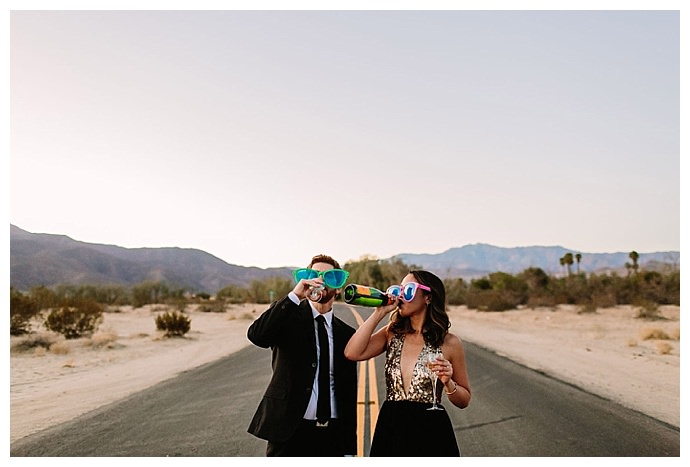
[[233, 294], [664, 348], [174, 324], [33, 342], [178, 304], [675, 334], [672, 288], [604, 300], [653, 333], [102, 339], [648, 310], [537, 301], [578, 289], [22, 310], [244, 315], [60, 348], [212, 306], [148, 292], [456, 291], [589, 307], [536, 279], [105, 294], [269, 289], [492, 300], [75, 318], [44, 297], [497, 292]]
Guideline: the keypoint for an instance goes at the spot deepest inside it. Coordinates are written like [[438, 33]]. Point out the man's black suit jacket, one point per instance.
[[288, 329]]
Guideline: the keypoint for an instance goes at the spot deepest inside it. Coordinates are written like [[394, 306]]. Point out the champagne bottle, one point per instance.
[[363, 295]]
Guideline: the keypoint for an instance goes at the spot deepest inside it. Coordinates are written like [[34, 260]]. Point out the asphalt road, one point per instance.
[[205, 412]]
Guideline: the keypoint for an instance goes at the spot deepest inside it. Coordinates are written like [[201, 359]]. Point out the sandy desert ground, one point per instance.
[[609, 352]]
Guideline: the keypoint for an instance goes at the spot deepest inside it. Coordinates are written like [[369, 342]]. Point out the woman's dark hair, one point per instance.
[[436, 323]]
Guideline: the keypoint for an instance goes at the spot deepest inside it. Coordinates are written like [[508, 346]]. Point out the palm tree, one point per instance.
[[634, 256], [578, 257], [562, 261], [568, 260]]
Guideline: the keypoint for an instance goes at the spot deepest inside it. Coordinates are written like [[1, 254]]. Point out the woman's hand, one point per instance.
[[385, 309], [444, 370]]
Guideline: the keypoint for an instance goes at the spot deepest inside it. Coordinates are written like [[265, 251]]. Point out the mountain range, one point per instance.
[[50, 260]]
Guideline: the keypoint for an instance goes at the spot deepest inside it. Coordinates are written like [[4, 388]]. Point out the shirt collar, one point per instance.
[[328, 315]]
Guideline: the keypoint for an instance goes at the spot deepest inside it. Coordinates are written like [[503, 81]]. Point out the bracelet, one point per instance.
[[455, 388]]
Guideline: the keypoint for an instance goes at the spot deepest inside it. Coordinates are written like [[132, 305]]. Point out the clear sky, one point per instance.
[[265, 137]]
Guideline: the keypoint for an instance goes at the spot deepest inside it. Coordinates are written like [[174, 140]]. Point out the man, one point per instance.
[[292, 416]]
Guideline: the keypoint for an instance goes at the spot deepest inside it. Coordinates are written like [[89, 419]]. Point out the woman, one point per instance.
[[419, 325]]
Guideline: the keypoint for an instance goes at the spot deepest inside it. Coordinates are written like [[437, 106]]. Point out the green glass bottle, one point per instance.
[[363, 295]]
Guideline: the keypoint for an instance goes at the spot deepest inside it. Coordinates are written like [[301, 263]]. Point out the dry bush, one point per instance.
[[75, 319], [60, 348], [216, 306], [649, 310], [632, 342], [175, 324], [237, 313], [34, 341], [675, 333], [102, 339], [653, 333], [541, 301], [664, 348], [40, 351], [245, 315], [604, 299], [587, 308]]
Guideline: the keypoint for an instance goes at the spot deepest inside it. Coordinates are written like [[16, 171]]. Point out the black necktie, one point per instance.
[[323, 405]]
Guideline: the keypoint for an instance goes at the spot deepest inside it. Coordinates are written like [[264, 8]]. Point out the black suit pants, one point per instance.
[[311, 441]]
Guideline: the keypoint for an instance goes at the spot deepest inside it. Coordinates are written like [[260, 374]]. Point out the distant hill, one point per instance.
[[480, 259], [50, 260]]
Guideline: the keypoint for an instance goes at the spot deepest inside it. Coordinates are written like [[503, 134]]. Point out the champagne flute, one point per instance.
[[316, 292], [430, 362]]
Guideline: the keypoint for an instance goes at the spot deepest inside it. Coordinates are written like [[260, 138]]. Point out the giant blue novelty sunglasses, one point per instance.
[[406, 292], [333, 278]]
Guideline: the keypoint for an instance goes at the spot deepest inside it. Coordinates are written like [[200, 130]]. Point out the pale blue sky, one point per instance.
[[265, 137]]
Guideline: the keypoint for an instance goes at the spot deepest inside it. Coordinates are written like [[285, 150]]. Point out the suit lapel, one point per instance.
[[339, 342]]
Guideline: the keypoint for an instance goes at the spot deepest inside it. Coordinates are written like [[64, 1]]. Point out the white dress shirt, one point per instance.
[[310, 413]]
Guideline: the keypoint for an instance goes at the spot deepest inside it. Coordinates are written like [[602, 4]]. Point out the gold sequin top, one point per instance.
[[420, 386]]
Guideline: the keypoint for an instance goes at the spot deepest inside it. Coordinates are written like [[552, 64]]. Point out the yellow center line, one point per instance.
[[373, 397], [362, 403], [361, 408]]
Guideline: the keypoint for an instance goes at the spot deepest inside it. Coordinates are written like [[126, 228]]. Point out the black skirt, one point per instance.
[[407, 429]]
